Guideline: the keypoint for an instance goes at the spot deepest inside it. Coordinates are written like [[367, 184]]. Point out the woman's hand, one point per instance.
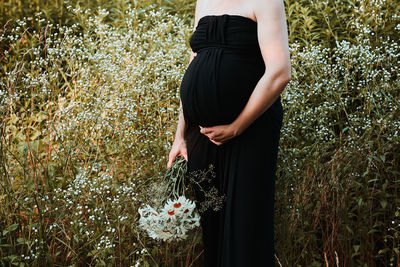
[[220, 134], [178, 149]]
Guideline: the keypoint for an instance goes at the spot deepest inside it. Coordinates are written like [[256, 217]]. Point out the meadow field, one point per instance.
[[89, 98]]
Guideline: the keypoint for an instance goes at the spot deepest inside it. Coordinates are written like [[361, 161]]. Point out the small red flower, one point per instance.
[[186, 211], [171, 212], [177, 205]]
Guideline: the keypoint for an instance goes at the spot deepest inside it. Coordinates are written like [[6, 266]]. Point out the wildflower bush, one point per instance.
[[338, 175], [88, 115], [339, 188], [89, 104]]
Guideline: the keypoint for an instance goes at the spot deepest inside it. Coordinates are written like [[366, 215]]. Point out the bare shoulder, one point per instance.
[[273, 35], [272, 9]]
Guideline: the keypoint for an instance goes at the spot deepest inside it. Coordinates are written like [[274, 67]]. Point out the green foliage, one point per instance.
[[338, 185], [327, 22], [88, 114], [89, 104]]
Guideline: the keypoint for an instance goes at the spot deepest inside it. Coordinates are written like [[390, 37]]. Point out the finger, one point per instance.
[[217, 134], [221, 139], [217, 138], [171, 159], [205, 130], [208, 134], [183, 153], [217, 143], [213, 140]]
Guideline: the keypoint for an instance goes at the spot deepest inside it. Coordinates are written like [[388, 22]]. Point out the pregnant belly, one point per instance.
[[216, 86]]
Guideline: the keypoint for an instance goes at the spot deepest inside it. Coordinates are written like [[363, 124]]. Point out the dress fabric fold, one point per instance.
[[214, 90]]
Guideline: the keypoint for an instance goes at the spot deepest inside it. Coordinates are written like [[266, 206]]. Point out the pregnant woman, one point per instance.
[[231, 115]]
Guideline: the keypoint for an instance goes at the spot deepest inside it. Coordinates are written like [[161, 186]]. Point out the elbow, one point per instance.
[[286, 73], [283, 78], [279, 77], [286, 77]]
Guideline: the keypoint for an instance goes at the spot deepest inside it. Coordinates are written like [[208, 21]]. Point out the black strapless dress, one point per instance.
[[214, 90]]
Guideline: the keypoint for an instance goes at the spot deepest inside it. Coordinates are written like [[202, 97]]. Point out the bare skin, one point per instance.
[[273, 42]]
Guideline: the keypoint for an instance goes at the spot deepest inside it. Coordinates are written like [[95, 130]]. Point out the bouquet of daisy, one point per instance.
[[173, 215]]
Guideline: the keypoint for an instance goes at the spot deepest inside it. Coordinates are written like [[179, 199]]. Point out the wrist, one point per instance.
[[179, 135], [236, 128]]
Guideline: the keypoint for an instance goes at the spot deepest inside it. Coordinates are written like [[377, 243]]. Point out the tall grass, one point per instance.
[[338, 183], [88, 113], [89, 104]]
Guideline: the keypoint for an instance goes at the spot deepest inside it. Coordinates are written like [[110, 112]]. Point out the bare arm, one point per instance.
[[273, 41]]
